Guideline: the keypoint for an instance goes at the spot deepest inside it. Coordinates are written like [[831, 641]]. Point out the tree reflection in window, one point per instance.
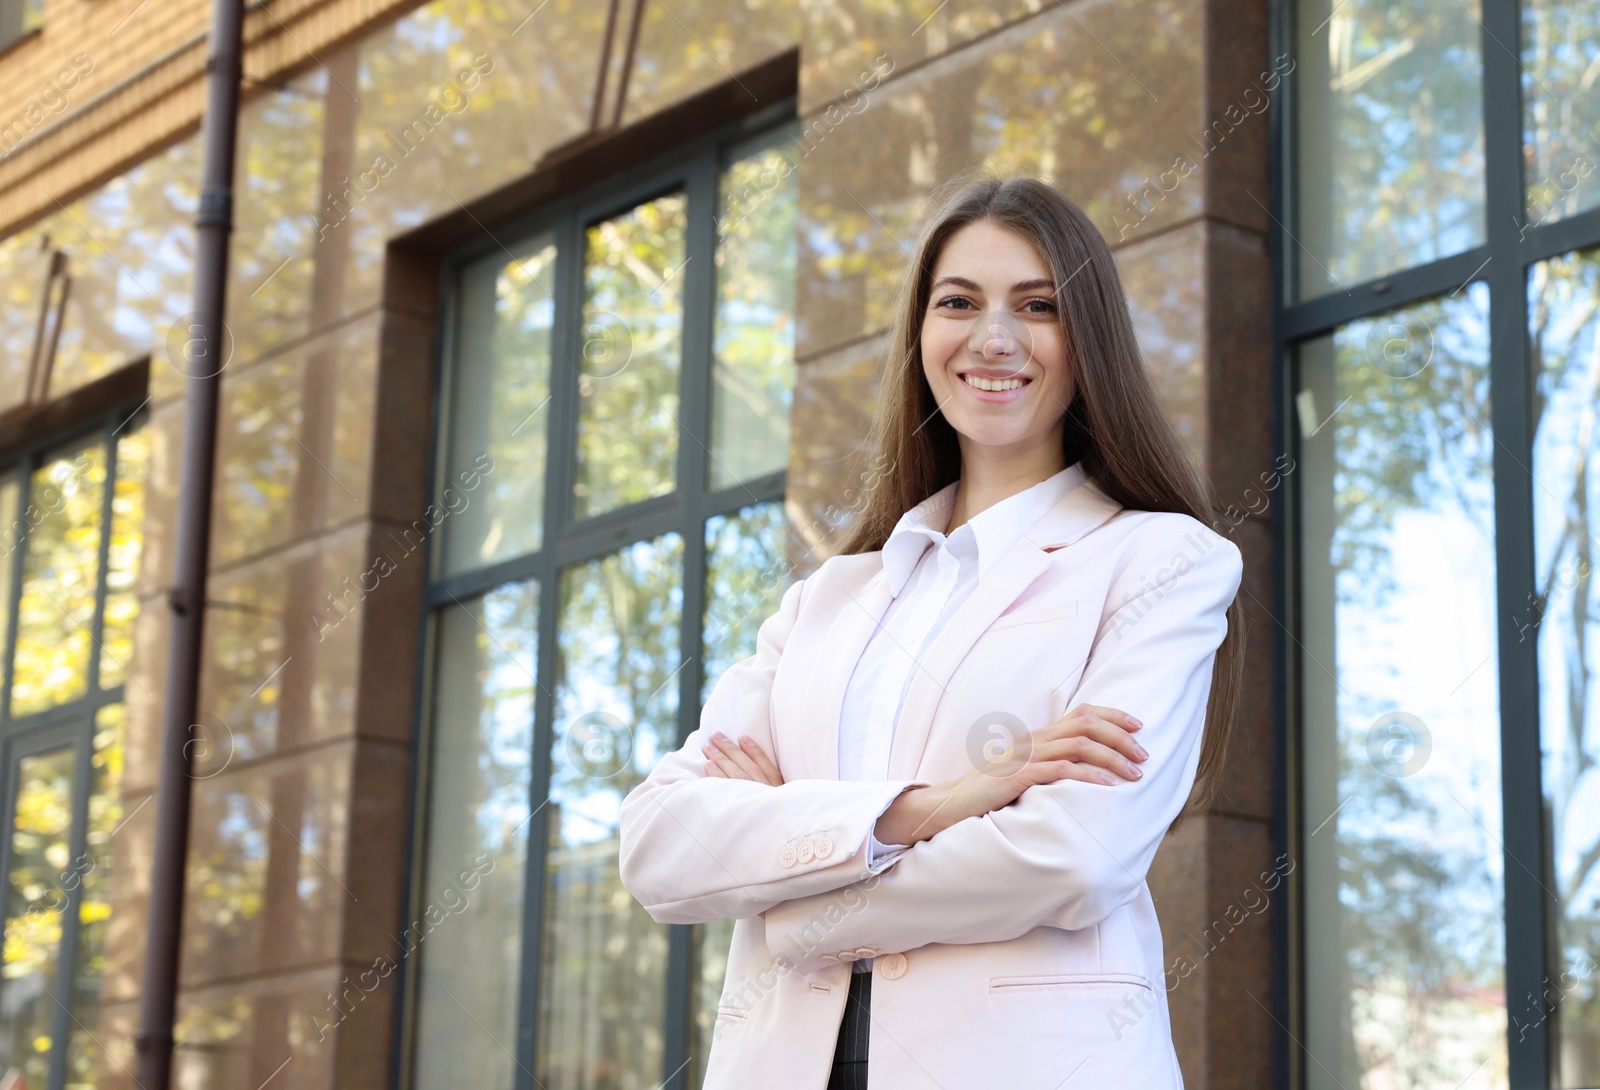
[[664, 472], [1404, 870], [632, 353], [39, 859], [1564, 616], [60, 580], [604, 989], [68, 628]]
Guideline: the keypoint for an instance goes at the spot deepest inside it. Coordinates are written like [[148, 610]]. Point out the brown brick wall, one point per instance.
[[134, 81], [328, 399]]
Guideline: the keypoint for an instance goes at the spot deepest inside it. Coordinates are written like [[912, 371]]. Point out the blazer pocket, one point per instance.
[[1060, 611], [1006, 985]]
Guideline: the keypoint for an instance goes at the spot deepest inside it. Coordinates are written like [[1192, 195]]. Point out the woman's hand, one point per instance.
[[1090, 743], [741, 760]]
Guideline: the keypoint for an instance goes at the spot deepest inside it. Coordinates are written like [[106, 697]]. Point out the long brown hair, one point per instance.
[[1114, 425]]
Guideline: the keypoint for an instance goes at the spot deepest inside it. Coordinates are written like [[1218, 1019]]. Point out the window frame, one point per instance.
[[694, 168], [1502, 261], [72, 723]]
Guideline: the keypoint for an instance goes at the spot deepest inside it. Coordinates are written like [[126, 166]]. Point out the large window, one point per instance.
[[613, 443], [1437, 223], [71, 516]]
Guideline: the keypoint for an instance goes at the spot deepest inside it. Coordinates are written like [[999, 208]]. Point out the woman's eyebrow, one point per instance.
[[1020, 285]]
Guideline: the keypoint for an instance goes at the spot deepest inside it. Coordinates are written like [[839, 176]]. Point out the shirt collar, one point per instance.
[[994, 529]]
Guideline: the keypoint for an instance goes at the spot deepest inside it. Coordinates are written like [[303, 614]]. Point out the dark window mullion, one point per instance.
[[560, 462], [1521, 795], [102, 566], [404, 1016], [57, 714], [9, 778], [1563, 236], [24, 473], [474, 584], [447, 355], [600, 537], [78, 839], [1326, 313], [694, 461]]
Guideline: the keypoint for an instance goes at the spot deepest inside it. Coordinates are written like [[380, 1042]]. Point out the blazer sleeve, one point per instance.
[[1065, 853], [696, 847]]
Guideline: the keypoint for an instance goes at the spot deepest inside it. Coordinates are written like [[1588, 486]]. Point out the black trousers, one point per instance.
[[850, 1051]]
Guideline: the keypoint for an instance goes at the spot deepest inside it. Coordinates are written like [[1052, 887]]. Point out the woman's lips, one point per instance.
[[995, 396]]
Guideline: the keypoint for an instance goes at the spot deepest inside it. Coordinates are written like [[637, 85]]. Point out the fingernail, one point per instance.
[[1106, 778], [1133, 770], [1136, 722], [719, 736], [747, 741], [1140, 750]]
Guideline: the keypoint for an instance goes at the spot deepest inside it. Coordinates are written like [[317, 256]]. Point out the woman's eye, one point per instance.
[[954, 299], [1039, 306]]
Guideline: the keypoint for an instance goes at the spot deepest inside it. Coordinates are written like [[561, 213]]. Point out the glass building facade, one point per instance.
[[1436, 220], [553, 333]]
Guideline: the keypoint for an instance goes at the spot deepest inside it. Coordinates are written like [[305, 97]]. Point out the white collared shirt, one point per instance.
[[930, 575]]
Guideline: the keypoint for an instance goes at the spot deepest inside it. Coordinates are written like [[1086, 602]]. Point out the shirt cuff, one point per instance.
[[879, 854]]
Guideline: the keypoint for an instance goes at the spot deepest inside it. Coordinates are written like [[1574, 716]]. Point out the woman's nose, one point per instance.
[[999, 342], [997, 336]]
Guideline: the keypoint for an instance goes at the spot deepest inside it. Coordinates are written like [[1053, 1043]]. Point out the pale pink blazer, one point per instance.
[[1019, 949]]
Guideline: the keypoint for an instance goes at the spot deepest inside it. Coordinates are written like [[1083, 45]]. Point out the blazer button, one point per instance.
[[806, 851], [829, 958], [847, 955], [893, 967], [787, 856], [866, 952], [823, 847]]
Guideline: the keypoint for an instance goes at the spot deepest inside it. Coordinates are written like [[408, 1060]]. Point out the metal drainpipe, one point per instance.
[[204, 358]]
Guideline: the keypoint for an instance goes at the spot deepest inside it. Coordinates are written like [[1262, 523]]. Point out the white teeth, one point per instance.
[[985, 384]]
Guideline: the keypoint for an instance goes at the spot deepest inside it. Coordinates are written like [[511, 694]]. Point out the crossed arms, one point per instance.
[[697, 848], [1067, 853]]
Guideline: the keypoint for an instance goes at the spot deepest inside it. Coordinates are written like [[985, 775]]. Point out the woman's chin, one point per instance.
[[994, 438]]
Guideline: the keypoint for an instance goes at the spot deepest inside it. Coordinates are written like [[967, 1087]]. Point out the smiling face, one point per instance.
[[993, 316]]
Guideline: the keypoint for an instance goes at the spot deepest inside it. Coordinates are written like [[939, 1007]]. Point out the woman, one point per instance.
[[931, 797]]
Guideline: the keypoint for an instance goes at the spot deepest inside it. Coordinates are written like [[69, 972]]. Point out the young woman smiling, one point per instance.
[[945, 771]]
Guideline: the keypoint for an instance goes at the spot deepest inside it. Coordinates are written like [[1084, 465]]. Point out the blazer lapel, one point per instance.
[[1075, 514], [868, 599]]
